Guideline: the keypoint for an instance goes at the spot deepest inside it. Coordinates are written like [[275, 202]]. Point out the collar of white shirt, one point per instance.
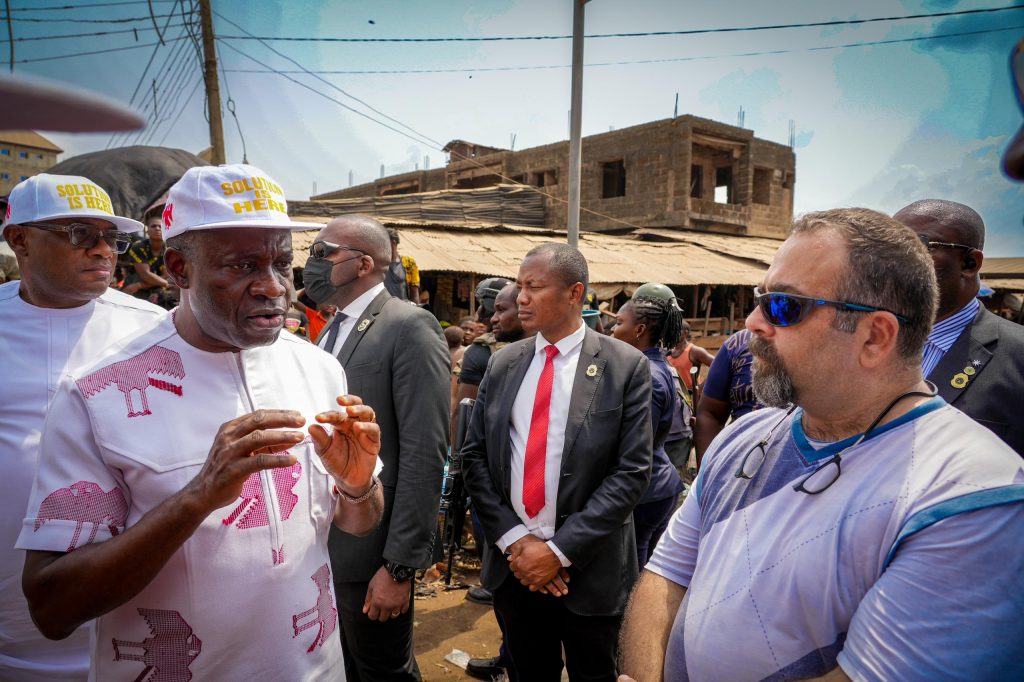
[[357, 307], [565, 345]]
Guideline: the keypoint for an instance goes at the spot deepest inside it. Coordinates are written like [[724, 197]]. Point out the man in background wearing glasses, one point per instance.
[[858, 527], [60, 314], [974, 357], [397, 361]]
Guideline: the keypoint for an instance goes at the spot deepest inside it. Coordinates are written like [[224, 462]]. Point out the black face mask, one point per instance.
[[316, 278]]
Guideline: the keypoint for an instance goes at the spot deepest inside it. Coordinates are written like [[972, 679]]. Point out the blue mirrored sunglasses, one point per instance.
[[785, 310]]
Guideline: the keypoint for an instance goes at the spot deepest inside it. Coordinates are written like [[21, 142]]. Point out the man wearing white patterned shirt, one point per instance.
[[975, 358]]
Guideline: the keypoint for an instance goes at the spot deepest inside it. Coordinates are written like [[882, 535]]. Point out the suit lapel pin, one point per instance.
[[959, 380], [969, 371], [976, 363], [363, 325], [592, 371]]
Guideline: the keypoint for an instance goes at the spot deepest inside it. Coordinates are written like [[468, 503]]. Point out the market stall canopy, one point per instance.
[[616, 263], [134, 177]]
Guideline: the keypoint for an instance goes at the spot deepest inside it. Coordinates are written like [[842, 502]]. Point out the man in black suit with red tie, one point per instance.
[[558, 454]]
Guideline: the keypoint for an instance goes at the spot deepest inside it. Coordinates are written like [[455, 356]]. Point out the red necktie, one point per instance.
[[537, 442]]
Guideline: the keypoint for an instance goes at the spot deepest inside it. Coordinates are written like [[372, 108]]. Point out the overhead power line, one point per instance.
[[82, 5], [48, 20], [644, 34], [335, 87], [93, 34], [418, 140], [91, 52], [646, 61]]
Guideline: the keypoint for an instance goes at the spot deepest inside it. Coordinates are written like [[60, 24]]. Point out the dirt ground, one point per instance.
[[446, 621]]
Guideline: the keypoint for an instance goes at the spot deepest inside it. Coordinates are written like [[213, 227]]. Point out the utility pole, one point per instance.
[[575, 121], [212, 84]]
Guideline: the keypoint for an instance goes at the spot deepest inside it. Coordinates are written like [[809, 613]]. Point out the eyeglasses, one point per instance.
[[822, 478], [931, 246], [753, 460], [86, 236], [785, 310], [322, 249]]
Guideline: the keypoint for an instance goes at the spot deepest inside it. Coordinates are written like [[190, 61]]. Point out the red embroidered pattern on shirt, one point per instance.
[[84, 502], [132, 377], [168, 653], [325, 612], [255, 506]]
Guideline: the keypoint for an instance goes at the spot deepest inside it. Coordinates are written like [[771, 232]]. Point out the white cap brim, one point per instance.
[[265, 224], [122, 224]]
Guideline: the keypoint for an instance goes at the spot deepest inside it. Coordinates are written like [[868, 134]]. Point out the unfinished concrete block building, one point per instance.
[[685, 172]]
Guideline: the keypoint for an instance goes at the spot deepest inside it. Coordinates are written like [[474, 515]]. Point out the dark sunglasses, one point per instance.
[[86, 236], [785, 310], [322, 249], [931, 246]]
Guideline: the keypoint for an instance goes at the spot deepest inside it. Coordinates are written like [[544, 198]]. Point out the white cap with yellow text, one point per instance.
[[46, 197], [210, 197]]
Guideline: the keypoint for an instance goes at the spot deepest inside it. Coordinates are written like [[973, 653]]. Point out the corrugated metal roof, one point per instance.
[[28, 138], [612, 260], [1003, 266]]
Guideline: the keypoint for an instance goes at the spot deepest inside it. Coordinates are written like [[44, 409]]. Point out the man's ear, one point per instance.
[[879, 345], [17, 237], [177, 267], [577, 293], [367, 266], [972, 262]]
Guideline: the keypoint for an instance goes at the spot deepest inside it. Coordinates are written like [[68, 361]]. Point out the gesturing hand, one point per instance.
[[349, 452], [242, 447]]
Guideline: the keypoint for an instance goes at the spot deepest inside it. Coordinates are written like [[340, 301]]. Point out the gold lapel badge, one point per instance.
[[959, 380], [969, 371], [363, 325], [592, 371]]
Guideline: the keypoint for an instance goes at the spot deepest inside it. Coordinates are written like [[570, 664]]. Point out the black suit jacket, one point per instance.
[[993, 395], [397, 361], [606, 466]]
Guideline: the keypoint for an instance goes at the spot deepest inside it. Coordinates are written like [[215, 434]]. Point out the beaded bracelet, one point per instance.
[[374, 482]]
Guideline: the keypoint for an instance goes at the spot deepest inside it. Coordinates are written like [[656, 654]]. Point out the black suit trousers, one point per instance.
[[374, 651], [537, 627]]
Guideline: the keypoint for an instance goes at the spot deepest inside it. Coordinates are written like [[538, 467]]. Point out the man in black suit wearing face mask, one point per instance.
[[396, 359]]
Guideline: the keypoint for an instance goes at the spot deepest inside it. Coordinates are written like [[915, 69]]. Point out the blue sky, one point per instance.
[[877, 126]]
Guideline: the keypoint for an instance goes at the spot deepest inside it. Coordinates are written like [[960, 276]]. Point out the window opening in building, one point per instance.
[[614, 179], [23, 155], [543, 178], [696, 181], [723, 185], [5, 152]]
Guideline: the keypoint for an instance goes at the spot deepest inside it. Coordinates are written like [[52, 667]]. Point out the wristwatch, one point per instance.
[[398, 572]]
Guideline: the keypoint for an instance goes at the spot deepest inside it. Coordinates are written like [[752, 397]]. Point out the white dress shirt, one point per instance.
[[543, 524], [353, 314]]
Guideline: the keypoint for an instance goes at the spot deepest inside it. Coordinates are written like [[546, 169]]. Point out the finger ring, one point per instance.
[[395, 613]]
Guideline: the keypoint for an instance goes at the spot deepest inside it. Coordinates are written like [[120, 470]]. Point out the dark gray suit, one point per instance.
[[993, 394], [605, 469], [396, 360]]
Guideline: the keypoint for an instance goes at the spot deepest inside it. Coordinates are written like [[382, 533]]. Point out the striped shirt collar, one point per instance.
[[944, 333]]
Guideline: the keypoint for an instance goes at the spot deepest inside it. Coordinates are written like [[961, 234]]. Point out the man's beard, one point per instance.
[[771, 382]]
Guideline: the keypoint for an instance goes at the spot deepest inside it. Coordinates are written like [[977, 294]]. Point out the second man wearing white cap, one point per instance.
[[59, 315], [178, 500]]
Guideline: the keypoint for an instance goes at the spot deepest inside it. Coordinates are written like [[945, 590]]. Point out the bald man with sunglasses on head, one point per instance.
[[858, 527], [60, 314]]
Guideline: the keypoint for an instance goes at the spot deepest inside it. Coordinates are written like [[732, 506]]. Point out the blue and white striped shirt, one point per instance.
[[945, 333]]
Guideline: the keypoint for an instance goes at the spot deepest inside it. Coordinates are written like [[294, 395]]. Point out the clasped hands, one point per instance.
[[537, 566]]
